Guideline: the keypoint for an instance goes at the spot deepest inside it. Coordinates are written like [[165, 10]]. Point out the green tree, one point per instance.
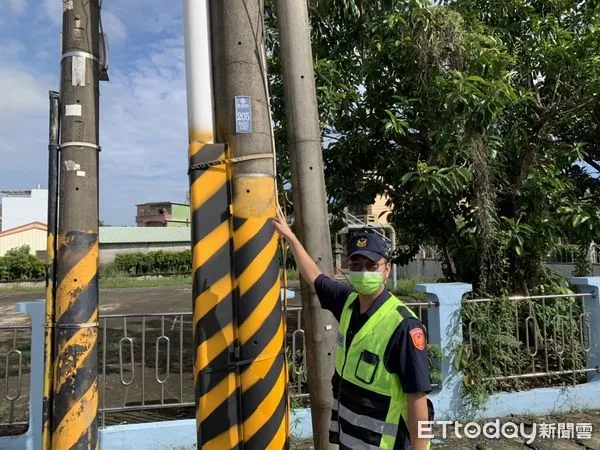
[[471, 116]]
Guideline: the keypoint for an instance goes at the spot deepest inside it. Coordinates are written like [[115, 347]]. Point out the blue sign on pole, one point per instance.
[[243, 114]]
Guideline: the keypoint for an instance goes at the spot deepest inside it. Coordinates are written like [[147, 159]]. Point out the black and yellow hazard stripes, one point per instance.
[[48, 344], [52, 215], [74, 421], [260, 317], [240, 369], [216, 380]]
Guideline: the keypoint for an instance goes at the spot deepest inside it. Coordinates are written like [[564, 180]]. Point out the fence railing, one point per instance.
[[145, 363], [146, 360], [15, 367], [525, 342]]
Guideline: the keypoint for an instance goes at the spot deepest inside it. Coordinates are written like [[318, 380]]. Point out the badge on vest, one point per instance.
[[418, 338], [340, 339]]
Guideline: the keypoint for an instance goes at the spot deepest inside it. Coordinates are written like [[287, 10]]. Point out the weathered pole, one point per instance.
[[240, 371], [74, 419], [52, 216], [216, 381], [243, 122], [310, 205]]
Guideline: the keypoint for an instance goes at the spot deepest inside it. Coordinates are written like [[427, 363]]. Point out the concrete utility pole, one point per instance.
[[53, 168], [243, 122], [310, 206], [76, 310], [240, 369]]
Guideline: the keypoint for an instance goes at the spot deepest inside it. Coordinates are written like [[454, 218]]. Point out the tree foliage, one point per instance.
[[155, 263], [19, 264], [479, 120]]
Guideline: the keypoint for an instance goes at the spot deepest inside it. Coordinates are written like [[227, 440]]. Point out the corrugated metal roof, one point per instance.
[[139, 235]]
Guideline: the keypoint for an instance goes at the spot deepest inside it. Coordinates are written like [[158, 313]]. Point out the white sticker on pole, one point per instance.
[[78, 70], [71, 165], [67, 5], [243, 114], [72, 110]]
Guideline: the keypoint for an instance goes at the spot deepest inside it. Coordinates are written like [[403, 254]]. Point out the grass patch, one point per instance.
[[301, 444], [111, 278], [406, 288], [292, 275], [112, 283], [40, 288]]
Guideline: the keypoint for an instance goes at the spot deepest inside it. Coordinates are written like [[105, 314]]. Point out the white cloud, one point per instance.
[[54, 10], [10, 50], [144, 130], [113, 27], [22, 94], [18, 6], [143, 122]]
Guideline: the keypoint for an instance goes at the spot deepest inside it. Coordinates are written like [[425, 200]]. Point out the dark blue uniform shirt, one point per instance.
[[402, 357]]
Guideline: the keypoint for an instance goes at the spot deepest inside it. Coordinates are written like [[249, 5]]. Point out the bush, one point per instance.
[[18, 265], [155, 263]]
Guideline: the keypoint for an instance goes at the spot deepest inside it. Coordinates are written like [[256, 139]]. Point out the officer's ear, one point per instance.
[[388, 269]]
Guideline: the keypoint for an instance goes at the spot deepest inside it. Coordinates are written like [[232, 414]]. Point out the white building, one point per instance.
[[23, 207]]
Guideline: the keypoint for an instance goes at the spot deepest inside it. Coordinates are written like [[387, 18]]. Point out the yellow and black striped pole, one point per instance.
[[75, 411], [53, 167], [240, 368], [261, 323], [215, 375]]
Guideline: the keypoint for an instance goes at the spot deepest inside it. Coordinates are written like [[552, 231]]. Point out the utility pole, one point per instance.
[[243, 122], [240, 370], [310, 206], [76, 310], [53, 168]]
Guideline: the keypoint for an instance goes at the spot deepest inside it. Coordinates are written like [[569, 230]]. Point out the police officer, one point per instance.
[[381, 375]]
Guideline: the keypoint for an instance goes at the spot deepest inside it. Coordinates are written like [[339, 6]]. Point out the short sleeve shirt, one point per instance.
[[405, 356]]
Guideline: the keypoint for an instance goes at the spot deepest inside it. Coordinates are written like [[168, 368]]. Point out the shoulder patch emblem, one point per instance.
[[418, 338]]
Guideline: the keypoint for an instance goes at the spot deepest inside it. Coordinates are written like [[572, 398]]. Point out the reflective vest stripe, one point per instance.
[[334, 426], [355, 444], [374, 425]]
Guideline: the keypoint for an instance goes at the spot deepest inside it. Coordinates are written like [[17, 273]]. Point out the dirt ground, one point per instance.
[[116, 301]]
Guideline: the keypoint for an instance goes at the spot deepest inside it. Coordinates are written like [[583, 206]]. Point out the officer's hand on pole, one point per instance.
[[307, 267], [281, 225]]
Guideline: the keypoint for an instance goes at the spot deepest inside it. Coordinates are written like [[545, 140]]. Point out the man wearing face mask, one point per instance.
[[381, 375]]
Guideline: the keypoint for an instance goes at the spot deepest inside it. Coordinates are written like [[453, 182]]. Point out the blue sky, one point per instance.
[[143, 121]]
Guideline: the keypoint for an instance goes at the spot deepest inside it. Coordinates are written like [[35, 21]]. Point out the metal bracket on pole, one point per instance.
[[80, 144]]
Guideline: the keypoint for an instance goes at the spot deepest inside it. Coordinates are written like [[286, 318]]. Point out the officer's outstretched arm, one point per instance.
[[307, 267]]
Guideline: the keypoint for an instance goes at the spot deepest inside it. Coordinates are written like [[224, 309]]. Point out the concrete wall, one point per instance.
[[108, 252], [430, 270], [18, 211], [180, 212]]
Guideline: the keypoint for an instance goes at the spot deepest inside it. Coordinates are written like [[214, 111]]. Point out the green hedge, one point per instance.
[[155, 263], [18, 264]]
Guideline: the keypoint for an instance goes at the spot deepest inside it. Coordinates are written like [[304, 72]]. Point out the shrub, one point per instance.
[[155, 263], [18, 264]]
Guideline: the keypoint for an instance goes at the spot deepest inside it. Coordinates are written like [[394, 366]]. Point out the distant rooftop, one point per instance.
[[162, 203], [139, 235]]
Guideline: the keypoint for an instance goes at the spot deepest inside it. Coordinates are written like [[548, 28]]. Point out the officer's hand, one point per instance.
[[281, 225]]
